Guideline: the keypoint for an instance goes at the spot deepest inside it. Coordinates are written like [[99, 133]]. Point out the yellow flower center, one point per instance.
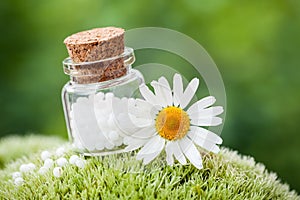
[[172, 123]]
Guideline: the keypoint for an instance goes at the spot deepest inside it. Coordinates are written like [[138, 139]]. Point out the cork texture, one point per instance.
[[95, 45]]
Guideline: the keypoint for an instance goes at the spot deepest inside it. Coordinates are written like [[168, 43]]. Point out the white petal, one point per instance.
[[210, 121], [177, 89], [142, 121], [133, 147], [133, 144], [166, 89], [124, 123], [149, 157], [205, 144], [189, 93], [144, 105], [151, 150], [120, 115], [208, 112], [191, 152], [169, 153], [174, 147], [127, 122], [147, 94], [145, 133], [201, 104], [141, 111], [159, 93], [155, 144], [206, 134]]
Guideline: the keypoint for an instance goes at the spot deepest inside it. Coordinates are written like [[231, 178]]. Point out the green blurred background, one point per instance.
[[254, 43]]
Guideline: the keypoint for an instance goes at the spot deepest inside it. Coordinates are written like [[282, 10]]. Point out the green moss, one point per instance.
[[17, 146], [224, 176]]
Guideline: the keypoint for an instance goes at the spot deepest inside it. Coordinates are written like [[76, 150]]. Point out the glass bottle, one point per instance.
[[88, 101]]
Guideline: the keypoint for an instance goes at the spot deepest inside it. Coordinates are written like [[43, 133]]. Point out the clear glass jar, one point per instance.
[[87, 101]]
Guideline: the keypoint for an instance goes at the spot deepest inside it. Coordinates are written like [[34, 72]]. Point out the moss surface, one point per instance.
[[225, 176], [14, 147]]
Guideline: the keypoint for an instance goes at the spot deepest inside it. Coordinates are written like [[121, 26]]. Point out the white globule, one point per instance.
[[27, 167], [106, 120], [45, 155], [43, 170], [80, 163], [19, 181], [48, 163], [110, 121], [84, 125], [57, 172], [113, 135], [93, 124], [23, 168], [31, 166], [16, 175], [60, 151], [61, 161], [73, 159]]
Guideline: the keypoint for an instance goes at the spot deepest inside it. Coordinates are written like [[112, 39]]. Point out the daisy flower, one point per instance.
[[163, 122]]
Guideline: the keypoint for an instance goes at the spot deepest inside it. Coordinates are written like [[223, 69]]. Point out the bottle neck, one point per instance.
[[99, 71]]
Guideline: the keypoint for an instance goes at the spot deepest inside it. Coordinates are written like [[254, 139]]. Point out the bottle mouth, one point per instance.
[[99, 70]]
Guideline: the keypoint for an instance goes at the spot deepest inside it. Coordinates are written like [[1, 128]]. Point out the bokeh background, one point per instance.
[[254, 43]]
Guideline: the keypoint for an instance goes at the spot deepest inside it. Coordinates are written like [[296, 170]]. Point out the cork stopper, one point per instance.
[[96, 54]]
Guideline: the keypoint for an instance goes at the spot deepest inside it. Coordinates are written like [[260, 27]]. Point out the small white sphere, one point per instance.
[[110, 120], [113, 135], [109, 145], [45, 155], [60, 151], [48, 163], [99, 146], [27, 167], [16, 175], [118, 142], [80, 163], [109, 96], [43, 170], [31, 166], [61, 161], [57, 172], [24, 168], [73, 159], [19, 181]]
